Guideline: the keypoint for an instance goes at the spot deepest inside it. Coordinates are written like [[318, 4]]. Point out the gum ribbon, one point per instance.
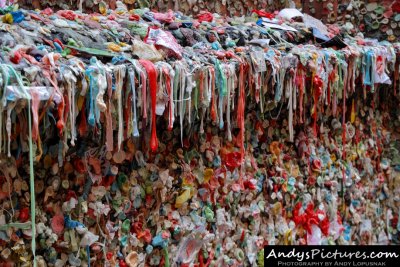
[[189, 88], [97, 86], [152, 74], [213, 112], [203, 88], [91, 119], [119, 73], [135, 131], [182, 106], [168, 72], [222, 90], [291, 105], [10, 107], [241, 109], [141, 94], [230, 91], [367, 69], [180, 82], [109, 128], [317, 83], [35, 110], [71, 85]]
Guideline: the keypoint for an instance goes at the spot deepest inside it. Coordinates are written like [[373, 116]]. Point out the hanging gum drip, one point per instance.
[[131, 75], [151, 72], [35, 116], [168, 81], [120, 74]]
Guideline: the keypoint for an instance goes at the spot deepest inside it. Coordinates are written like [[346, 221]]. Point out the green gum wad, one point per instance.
[[260, 258], [126, 225], [116, 203], [209, 214]]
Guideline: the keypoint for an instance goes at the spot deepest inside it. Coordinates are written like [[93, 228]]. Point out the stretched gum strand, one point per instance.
[[35, 115], [102, 85], [10, 107], [152, 75], [120, 74], [109, 128]]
